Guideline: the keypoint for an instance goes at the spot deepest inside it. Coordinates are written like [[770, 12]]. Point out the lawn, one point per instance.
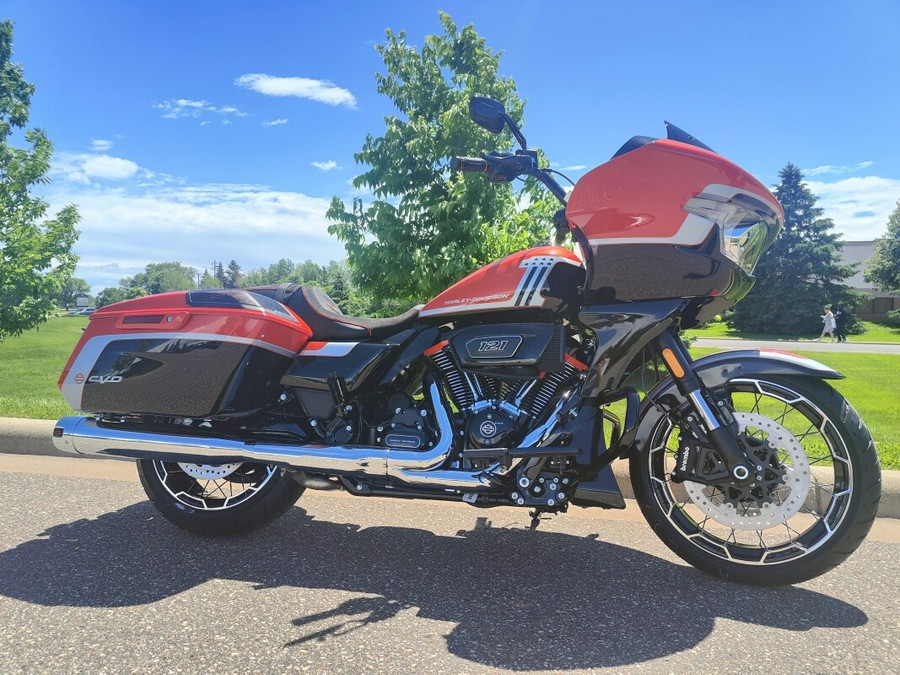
[[875, 332], [31, 363], [870, 386]]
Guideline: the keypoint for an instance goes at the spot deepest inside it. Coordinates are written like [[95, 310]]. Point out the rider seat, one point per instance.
[[325, 318]]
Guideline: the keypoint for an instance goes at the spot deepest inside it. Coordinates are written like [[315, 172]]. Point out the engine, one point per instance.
[[503, 379]]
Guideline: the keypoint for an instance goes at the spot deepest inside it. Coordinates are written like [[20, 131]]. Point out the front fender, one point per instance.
[[717, 369]]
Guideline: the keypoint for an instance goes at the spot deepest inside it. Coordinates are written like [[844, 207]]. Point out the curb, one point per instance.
[[33, 437]]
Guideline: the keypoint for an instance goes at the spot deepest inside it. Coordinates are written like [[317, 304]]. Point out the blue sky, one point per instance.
[[170, 136]]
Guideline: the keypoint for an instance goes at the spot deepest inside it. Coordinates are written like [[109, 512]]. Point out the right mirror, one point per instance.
[[487, 113]]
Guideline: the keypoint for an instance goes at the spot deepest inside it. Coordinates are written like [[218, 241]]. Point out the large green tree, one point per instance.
[[883, 268], [36, 255], [66, 296], [160, 278], [427, 229], [801, 272]]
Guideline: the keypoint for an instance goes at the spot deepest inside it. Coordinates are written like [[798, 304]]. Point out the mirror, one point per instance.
[[487, 113]]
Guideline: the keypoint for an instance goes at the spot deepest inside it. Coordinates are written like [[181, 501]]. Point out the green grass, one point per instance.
[[875, 332], [870, 387], [30, 365]]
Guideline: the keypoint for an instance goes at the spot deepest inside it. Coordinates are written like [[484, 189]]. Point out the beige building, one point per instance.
[[879, 303]]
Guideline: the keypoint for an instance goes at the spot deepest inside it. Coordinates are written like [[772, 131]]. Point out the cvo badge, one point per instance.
[[104, 379], [493, 347]]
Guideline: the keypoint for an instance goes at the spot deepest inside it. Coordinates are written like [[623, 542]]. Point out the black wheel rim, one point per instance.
[[823, 506], [213, 487]]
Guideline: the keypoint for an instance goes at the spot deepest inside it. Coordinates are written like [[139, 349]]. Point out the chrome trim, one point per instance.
[[84, 436], [703, 409]]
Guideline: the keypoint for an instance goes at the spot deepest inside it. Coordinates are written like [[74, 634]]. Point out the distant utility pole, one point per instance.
[[199, 276]]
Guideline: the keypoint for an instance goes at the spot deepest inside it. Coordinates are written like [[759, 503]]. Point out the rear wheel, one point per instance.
[[815, 499], [218, 499]]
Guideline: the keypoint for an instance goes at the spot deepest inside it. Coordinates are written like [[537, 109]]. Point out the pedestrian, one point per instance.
[[829, 325], [840, 323]]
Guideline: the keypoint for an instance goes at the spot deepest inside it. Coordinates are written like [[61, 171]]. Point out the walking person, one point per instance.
[[840, 323], [828, 328]]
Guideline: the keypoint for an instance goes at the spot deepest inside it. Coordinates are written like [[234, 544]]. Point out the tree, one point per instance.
[[74, 287], [800, 273], [207, 280], [233, 276], [160, 278], [110, 296], [36, 255], [276, 273], [425, 230], [883, 269]]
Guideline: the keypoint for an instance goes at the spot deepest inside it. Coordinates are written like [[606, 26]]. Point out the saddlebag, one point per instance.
[[184, 354]]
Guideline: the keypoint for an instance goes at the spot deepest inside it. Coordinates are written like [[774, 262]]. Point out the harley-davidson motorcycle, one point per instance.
[[517, 386]]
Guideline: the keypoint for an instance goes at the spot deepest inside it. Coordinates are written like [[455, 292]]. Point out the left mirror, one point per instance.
[[487, 113]]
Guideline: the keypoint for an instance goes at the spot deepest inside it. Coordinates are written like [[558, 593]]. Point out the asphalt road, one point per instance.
[[92, 579]]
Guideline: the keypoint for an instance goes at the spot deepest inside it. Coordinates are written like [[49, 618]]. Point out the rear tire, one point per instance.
[[822, 494], [218, 500]]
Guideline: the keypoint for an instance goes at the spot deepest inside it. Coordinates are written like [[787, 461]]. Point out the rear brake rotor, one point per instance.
[[209, 471]]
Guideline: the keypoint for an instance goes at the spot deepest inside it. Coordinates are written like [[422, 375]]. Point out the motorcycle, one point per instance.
[[517, 386]]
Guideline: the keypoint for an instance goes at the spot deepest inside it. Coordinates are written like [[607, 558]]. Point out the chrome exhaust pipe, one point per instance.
[[83, 436]]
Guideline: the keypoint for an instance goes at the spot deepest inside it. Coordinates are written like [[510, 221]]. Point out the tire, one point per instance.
[[218, 500], [822, 485]]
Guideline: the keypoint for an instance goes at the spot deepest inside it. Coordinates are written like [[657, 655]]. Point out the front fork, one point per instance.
[[719, 425]]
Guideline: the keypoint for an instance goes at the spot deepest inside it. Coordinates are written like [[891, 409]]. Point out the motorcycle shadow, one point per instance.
[[519, 600]]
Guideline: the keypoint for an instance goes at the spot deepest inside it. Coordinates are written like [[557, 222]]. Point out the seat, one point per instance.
[[325, 318]]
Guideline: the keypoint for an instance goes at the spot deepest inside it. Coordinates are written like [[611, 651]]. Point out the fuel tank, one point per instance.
[[547, 277], [184, 354]]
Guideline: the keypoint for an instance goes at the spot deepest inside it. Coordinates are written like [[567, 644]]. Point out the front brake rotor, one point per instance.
[[770, 500]]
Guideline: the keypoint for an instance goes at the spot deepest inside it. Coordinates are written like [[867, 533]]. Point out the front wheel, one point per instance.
[[218, 499], [819, 493]]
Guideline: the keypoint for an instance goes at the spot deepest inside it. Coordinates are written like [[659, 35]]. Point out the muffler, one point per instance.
[[83, 436]]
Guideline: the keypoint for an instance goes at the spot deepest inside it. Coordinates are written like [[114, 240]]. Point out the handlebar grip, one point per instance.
[[469, 164]]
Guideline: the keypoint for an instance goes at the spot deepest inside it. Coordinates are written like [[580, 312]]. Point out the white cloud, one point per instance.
[[183, 107], [86, 168], [101, 145], [123, 228], [326, 166], [859, 206], [829, 169], [321, 91], [575, 167], [276, 123]]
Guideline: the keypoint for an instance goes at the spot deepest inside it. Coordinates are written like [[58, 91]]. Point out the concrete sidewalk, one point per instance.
[[33, 437], [849, 347]]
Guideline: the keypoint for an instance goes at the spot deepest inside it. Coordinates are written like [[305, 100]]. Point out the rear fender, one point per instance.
[[717, 369]]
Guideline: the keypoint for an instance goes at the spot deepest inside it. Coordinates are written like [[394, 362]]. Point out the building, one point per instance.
[[879, 303]]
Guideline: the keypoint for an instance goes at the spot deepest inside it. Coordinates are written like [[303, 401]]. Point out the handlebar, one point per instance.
[[504, 167], [469, 164]]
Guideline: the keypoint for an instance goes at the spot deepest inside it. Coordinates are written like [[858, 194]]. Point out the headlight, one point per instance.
[[747, 239]]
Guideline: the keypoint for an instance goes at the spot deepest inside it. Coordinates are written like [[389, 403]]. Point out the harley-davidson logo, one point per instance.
[[488, 429], [79, 378]]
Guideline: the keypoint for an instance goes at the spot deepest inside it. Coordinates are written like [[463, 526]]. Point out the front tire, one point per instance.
[[218, 500], [819, 497]]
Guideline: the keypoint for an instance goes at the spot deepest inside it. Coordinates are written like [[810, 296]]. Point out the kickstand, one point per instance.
[[535, 519]]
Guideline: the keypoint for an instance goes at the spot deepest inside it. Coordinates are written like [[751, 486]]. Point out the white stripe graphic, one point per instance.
[[332, 349]]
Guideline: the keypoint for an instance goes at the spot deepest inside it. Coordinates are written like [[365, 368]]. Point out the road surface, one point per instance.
[[92, 579]]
